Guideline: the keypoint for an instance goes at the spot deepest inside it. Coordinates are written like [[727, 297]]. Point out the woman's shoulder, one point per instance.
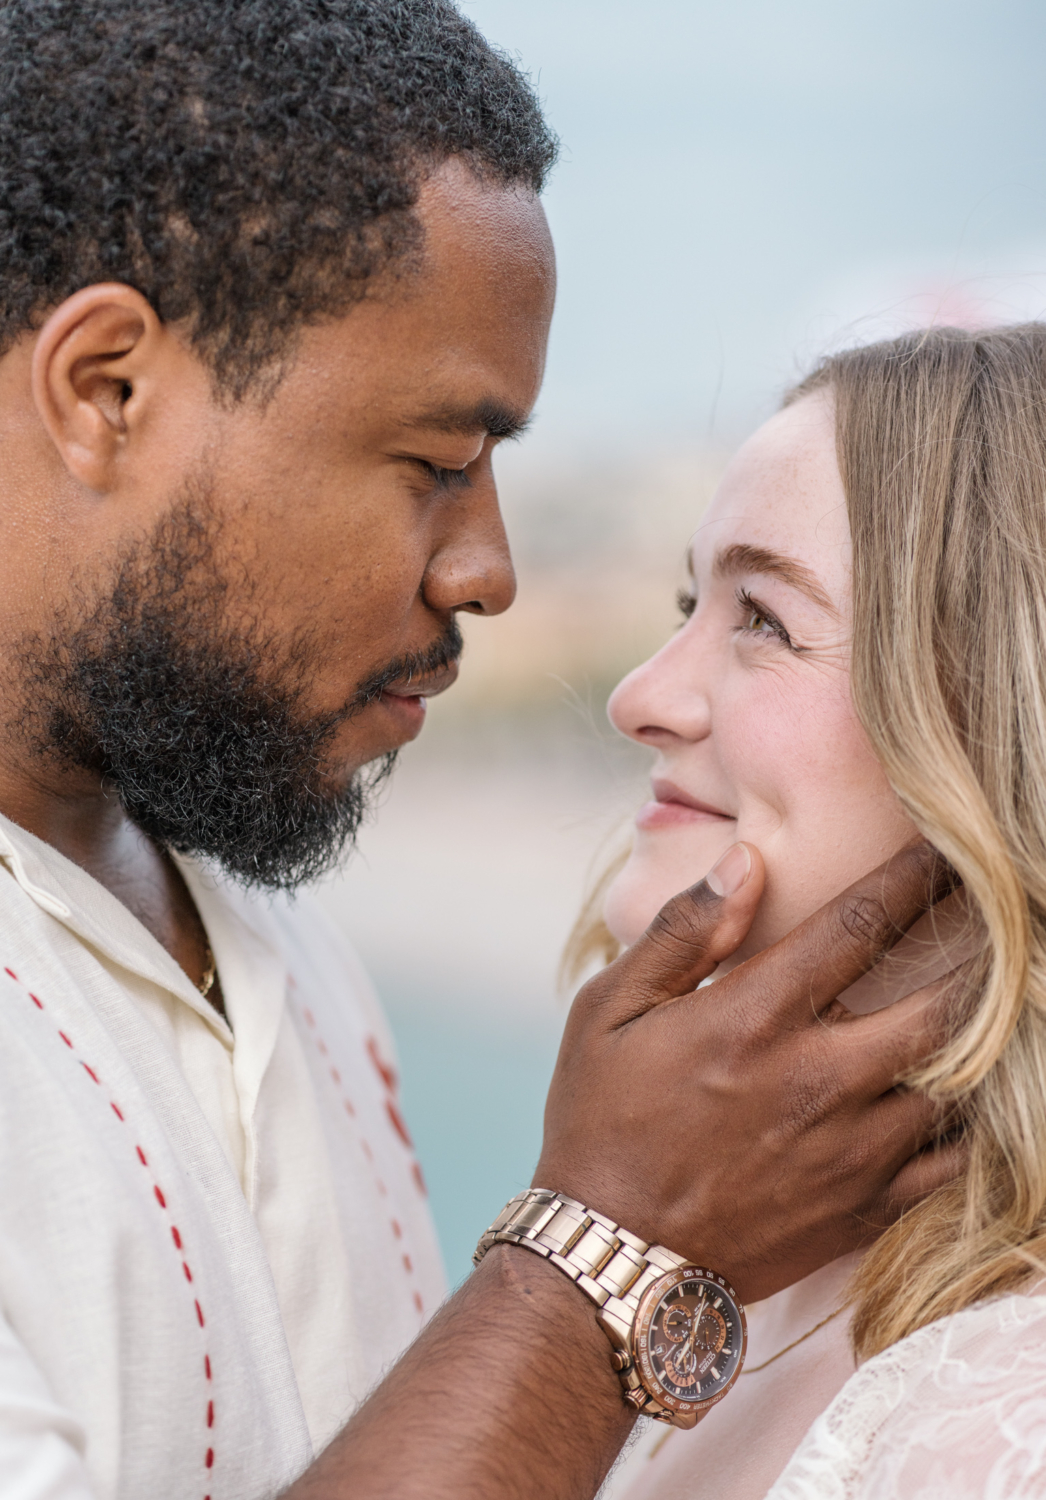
[[957, 1410]]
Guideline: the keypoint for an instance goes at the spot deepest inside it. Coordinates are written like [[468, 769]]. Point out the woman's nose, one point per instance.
[[664, 699]]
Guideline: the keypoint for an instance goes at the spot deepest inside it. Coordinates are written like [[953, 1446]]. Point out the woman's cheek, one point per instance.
[[822, 813]]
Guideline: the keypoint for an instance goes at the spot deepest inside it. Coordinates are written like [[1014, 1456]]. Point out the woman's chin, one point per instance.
[[638, 893], [632, 902], [650, 879]]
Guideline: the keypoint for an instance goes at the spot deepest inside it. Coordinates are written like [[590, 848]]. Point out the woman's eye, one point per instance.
[[760, 622], [686, 603]]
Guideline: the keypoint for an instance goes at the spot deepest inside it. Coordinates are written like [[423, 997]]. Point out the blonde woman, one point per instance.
[[863, 657]]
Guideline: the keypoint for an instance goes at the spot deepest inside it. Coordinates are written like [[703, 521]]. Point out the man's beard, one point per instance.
[[202, 731]]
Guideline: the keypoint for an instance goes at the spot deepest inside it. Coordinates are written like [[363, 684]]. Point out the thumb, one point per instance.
[[690, 936]]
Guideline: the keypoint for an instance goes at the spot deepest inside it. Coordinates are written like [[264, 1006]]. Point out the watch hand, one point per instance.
[[697, 1322]]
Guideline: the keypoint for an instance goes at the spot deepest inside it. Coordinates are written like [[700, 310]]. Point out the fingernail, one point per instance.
[[730, 871]]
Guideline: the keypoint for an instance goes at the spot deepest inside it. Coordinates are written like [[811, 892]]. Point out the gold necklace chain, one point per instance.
[[754, 1369], [663, 1439], [206, 984]]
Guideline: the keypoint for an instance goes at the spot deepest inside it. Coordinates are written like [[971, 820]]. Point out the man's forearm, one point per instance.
[[508, 1392]]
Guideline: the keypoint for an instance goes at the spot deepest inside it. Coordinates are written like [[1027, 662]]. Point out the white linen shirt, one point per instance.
[[213, 1237]]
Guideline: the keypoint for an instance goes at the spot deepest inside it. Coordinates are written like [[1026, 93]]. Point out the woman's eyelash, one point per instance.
[[687, 603], [753, 609]]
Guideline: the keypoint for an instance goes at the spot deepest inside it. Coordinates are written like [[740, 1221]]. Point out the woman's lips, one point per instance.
[[674, 808]]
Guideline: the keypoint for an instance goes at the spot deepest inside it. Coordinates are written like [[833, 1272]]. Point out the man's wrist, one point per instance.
[[565, 1323], [510, 1382]]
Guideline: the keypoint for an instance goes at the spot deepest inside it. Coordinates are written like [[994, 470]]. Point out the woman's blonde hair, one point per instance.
[[941, 438]]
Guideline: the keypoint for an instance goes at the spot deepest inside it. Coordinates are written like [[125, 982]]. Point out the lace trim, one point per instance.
[[955, 1412]]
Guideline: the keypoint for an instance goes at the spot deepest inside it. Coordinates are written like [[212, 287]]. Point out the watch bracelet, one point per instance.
[[611, 1266]]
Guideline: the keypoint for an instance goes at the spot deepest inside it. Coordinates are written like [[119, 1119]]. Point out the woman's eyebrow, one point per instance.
[[741, 557]]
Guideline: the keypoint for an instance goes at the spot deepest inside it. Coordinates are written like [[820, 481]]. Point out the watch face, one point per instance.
[[690, 1339]]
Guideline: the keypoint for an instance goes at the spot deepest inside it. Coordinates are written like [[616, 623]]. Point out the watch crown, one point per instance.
[[620, 1360], [636, 1398]]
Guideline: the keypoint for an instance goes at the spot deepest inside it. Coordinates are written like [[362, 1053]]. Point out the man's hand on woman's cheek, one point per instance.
[[754, 1126]]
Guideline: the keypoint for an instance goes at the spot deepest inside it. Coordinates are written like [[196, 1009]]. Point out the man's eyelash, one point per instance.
[[753, 607], [447, 479], [687, 603]]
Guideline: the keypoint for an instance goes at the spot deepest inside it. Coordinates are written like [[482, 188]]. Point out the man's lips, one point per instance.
[[424, 687], [674, 808], [406, 702]]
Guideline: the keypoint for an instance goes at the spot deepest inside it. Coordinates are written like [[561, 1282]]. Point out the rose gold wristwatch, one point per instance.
[[678, 1330]]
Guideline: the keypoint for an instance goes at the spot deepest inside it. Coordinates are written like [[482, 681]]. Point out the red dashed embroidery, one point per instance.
[[387, 1075], [157, 1193]]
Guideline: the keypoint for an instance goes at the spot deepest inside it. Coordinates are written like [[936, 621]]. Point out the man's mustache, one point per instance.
[[412, 667]]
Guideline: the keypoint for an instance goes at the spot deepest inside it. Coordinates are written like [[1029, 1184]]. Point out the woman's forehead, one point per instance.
[[782, 494]]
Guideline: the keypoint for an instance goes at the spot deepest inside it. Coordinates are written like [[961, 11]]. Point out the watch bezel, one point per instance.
[[648, 1305]]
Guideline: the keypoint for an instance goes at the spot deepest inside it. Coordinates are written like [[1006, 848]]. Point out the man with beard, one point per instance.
[[274, 283]]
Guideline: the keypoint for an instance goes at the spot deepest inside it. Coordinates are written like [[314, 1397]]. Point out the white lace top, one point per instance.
[[955, 1412]]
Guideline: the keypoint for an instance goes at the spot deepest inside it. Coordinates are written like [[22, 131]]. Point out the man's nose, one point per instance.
[[471, 568]]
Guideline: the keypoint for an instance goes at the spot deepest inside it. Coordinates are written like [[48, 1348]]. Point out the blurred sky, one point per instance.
[[743, 181]]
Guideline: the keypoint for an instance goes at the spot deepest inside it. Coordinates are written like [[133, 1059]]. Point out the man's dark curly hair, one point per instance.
[[248, 165]]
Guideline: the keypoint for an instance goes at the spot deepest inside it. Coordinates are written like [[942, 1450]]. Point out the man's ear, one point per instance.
[[90, 371]]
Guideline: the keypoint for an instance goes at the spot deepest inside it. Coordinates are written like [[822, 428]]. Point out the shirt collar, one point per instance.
[[73, 897]]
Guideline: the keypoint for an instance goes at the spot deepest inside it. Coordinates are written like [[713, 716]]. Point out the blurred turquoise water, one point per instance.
[[473, 1093]]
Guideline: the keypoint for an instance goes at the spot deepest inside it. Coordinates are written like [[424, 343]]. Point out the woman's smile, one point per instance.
[[672, 807]]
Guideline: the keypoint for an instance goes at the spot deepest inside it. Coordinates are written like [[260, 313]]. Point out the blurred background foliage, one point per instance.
[[742, 187]]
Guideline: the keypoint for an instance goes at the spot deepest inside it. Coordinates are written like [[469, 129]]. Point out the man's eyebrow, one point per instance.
[[743, 558], [489, 417]]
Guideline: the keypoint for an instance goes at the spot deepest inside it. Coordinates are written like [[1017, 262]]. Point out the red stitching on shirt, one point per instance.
[[385, 1071], [161, 1200], [387, 1075], [399, 1124]]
